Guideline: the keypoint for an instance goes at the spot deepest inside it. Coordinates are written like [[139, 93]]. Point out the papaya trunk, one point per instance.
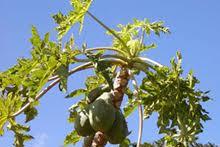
[[120, 84]]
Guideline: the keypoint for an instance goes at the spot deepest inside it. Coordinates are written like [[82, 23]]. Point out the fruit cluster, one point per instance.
[[102, 116]]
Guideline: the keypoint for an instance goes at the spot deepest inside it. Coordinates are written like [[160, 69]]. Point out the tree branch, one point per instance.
[[83, 66], [106, 48], [108, 29], [140, 111], [118, 59], [149, 61]]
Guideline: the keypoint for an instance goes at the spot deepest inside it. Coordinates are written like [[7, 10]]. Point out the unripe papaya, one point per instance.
[[82, 124], [96, 92], [87, 142], [119, 129], [102, 113]]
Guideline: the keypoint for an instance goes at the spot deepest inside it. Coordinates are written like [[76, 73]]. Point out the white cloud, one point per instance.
[[40, 140]]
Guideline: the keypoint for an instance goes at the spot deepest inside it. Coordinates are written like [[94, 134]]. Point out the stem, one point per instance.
[[83, 66], [106, 48], [108, 29], [140, 110], [140, 129], [118, 60], [104, 57], [142, 37], [149, 61]]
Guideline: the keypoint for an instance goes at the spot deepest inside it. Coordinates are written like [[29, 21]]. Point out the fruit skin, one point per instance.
[[102, 113], [88, 141], [82, 124], [119, 129], [96, 92]]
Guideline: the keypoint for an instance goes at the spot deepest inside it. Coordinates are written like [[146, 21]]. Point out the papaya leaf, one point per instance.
[[30, 113], [72, 138], [35, 39], [63, 73], [76, 93], [3, 120], [130, 107], [185, 113], [131, 32], [102, 68], [19, 133], [65, 22], [93, 82], [125, 143]]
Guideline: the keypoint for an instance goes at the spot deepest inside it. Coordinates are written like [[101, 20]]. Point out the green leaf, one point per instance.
[[76, 93], [20, 139], [93, 82], [65, 22], [72, 116], [185, 113], [35, 39], [3, 120], [130, 35], [130, 107], [72, 138], [30, 113], [126, 143], [63, 73]]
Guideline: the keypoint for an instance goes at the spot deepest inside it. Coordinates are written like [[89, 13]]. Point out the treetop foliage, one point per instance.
[[163, 89]]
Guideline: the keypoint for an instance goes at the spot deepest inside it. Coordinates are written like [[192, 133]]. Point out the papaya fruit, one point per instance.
[[96, 92], [102, 113], [119, 130], [82, 124]]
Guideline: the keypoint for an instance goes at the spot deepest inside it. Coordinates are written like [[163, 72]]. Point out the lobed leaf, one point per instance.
[[72, 138], [65, 22]]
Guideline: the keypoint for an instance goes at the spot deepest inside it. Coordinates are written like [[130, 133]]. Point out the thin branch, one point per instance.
[[142, 37], [140, 129], [106, 48], [83, 66], [123, 62], [149, 61], [140, 110], [108, 29], [103, 57]]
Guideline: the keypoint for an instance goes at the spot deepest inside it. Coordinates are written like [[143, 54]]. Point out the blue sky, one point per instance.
[[195, 32]]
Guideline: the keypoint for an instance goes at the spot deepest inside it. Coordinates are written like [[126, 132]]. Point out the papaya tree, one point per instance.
[[99, 117]]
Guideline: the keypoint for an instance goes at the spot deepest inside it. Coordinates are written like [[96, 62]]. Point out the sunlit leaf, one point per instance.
[[76, 93], [72, 138]]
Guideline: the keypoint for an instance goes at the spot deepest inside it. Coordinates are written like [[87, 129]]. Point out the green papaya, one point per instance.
[[119, 129], [96, 92], [82, 124], [88, 141], [102, 113]]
